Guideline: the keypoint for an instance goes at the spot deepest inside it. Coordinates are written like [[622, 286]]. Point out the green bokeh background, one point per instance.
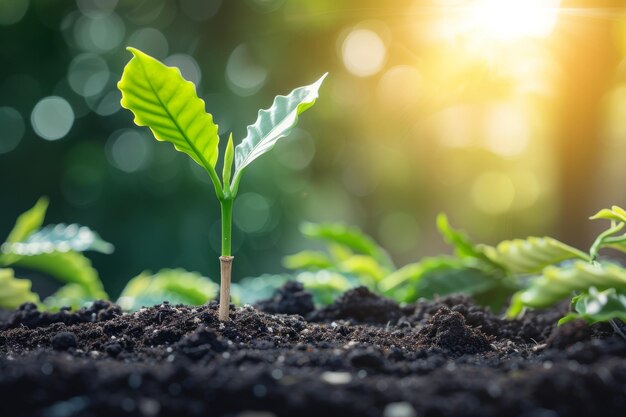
[[371, 153]]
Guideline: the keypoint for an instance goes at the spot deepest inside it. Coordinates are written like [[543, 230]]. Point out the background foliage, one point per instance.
[[508, 118]]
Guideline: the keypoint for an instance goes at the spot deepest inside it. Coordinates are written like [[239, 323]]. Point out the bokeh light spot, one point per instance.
[[400, 87], [128, 150], [297, 152], [151, 41], [88, 74], [12, 11], [493, 192], [244, 76], [99, 33], [507, 131], [52, 118], [94, 8], [200, 10], [251, 212], [188, 66], [363, 52], [12, 128]]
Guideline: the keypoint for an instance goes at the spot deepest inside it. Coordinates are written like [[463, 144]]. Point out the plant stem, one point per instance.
[[226, 260]]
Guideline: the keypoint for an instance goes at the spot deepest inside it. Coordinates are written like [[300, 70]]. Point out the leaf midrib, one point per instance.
[[207, 166]]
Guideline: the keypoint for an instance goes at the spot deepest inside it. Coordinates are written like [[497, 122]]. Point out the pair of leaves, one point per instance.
[[176, 286], [54, 250], [609, 238], [163, 100]]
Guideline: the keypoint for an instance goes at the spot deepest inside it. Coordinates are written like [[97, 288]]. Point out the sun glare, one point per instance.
[[514, 19]]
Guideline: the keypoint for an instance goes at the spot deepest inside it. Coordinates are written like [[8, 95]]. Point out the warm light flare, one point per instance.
[[514, 19]]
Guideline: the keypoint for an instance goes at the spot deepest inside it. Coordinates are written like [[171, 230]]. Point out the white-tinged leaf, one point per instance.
[[273, 124], [598, 306], [58, 238]]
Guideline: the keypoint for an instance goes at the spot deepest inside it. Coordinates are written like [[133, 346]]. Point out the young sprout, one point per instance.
[[161, 99]]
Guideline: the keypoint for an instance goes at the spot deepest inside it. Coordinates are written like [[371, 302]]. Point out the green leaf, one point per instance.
[[531, 255], [15, 291], [598, 306], [228, 161], [363, 266], [69, 295], [350, 238], [438, 276], [29, 221], [59, 238], [307, 259], [325, 286], [273, 124], [174, 285], [558, 283], [163, 100], [462, 245], [71, 267], [616, 213]]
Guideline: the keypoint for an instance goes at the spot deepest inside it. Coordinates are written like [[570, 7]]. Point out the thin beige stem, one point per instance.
[[226, 266]]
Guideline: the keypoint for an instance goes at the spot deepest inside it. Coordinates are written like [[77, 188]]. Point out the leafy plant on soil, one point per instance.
[[600, 285], [55, 250], [161, 99], [490, 274]]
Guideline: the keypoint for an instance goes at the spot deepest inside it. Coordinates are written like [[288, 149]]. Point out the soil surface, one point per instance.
[[362, 356]]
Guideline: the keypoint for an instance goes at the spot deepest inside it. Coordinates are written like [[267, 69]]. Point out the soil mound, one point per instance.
[[291, 298], [447, 330], [362, 306]]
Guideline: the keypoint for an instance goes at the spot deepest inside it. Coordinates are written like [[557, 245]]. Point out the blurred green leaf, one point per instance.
[[29, 221], [307, 259], [163, 100], [176, 286], [438, 276], [69, 295], [15, 291], [349, 238], [462, 245], [70, 267], [364, 267], [558, 283], [531, 255], [59, 238], [598, 306], [273, 124], [325, 286]]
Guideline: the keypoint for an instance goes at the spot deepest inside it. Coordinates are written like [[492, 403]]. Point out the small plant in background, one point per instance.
[[489, 274], [55, 250], [600, 285], [161, 99]]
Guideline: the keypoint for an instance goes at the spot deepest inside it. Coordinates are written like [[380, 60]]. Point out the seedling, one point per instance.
[[161, 99]]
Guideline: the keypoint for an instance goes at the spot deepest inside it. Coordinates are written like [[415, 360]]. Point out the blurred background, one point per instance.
[[509, 115]]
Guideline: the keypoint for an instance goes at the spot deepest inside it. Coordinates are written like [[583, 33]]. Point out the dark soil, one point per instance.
[[362, 356]]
